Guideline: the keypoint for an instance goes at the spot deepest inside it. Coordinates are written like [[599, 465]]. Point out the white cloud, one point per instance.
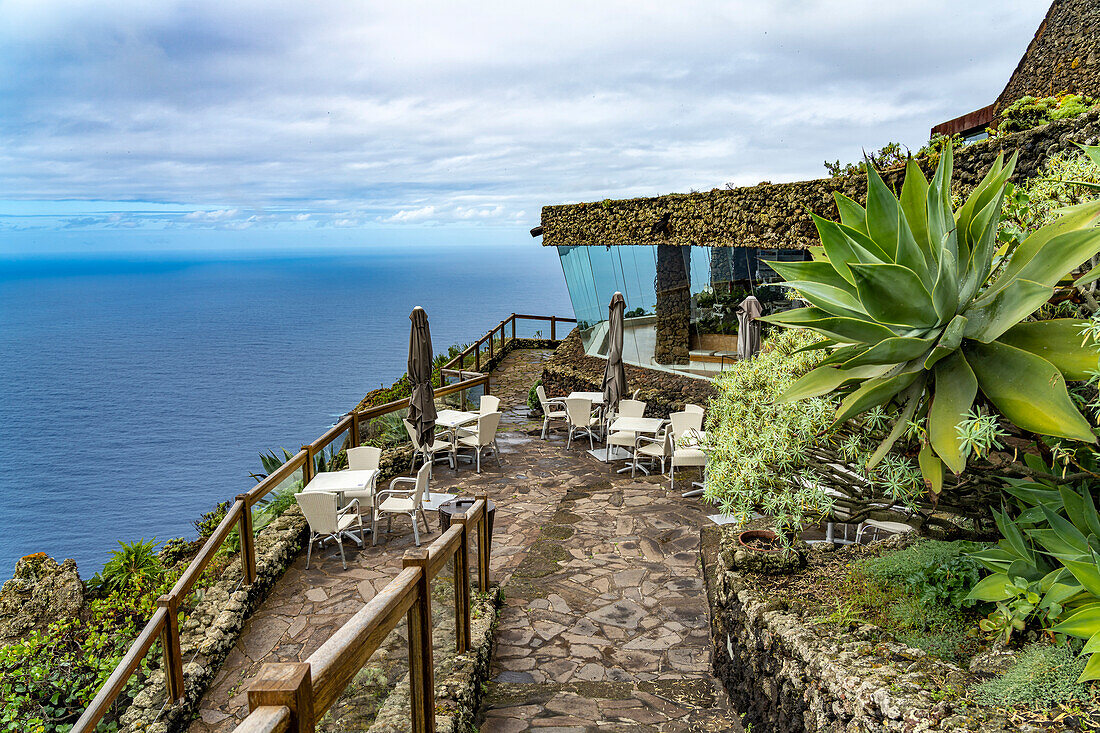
[[352, 114]]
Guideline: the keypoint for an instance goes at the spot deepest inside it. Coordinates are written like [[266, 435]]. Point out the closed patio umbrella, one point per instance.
[[422, 399], [748, 328], [614, 374]]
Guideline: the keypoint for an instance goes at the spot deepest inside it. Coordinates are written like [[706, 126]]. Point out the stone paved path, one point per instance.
[[605, 623]]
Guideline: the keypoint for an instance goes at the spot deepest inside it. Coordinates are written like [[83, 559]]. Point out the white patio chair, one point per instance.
[[485, 436], [489, 404], [551, 410], [429, 454], [406, 502], [877, 525], [364, 458], [693, 408], [581, 419], [682, 423], [657, 448], [326, 522], [625, 438]]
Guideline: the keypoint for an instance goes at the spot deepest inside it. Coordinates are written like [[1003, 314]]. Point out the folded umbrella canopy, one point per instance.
[[422, 399], [748, 328], [614, 374]]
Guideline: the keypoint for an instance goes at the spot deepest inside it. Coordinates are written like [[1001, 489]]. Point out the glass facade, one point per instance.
[[680, 301]]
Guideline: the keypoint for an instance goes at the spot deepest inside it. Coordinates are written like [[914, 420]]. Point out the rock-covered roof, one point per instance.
[[776, 215]]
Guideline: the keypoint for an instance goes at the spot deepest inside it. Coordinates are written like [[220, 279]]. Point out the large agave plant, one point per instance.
[[920, 307]]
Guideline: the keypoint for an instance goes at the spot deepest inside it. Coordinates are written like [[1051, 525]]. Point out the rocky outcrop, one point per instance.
[[40, 592], [789, 672]]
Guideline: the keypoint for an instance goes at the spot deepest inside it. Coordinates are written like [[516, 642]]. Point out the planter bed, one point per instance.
[[792, 663]]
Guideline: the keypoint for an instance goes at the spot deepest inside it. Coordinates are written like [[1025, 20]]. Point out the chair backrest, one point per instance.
[[579, 411], [421, 484], [631, 408], [487, 428], [364, 458], [693, 408], [319, 509], [682, 422], [412, 434], [543, 399], [489, 404]]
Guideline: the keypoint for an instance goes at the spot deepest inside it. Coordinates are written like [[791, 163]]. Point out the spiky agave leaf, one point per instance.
[[906, 292]]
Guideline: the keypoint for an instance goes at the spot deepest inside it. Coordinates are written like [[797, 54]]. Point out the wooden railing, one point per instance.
[[294, 696], [164, 623], [490, 339]]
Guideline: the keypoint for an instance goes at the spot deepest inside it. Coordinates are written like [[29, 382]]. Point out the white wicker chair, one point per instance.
[[578, 411], [429, 454], [364, 458], [483, 437], [625, 438], [682, 424], [551, 410], [406, 502], [326, 522], [657, 448]]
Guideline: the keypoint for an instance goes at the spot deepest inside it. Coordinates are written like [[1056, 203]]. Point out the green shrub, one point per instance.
[[135, 565], [1043, 675], [1028, 112], [934, 572], [174, 550], [758, 444], [209, 521], [533, 403]]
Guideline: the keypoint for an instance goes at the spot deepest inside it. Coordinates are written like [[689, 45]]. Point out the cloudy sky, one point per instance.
[[221, 124]]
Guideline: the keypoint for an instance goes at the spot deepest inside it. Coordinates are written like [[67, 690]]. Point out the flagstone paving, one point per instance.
[[605, 620]]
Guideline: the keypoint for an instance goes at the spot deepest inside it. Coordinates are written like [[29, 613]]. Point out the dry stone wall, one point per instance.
[[775, 215], [788, 672], [1064, 56]]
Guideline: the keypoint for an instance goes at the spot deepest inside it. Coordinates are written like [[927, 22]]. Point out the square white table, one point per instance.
[[337, 482], [644, 425], [595, 397], [452, 419]]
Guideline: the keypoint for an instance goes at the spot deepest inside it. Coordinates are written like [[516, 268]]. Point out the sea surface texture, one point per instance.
[[135, 394]]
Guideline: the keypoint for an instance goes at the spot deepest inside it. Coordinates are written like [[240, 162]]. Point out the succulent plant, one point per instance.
[[920, 305]]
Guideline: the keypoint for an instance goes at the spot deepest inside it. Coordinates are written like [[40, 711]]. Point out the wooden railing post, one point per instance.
[[492, 339], [421, 666], [477, 357], [353, 438], [462, 587], [289, 684], [483, 546], [513, 326], [553, 328], [170, 640], [307, 467], [248, 541]]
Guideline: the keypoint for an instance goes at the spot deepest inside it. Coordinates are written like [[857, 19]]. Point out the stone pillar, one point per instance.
[[673, 304]]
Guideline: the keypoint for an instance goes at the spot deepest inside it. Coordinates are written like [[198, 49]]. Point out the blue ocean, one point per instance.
[[137, 392]]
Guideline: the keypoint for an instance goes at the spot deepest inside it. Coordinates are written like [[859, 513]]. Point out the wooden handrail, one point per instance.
[[337, 660], [266, 719], [209, 548], [343, 424], [315, 686], [239, 514], [103, 699]]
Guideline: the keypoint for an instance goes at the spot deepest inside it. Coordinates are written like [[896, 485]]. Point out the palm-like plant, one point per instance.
[[919, 306]]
